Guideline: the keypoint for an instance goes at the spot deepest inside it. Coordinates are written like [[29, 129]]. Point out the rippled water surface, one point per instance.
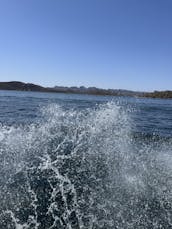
[[89, 162]]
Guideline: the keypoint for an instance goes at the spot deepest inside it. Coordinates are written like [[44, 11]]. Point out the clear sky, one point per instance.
[[123, 44]]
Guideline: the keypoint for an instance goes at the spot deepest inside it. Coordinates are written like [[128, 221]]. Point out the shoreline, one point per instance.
[[20, 86]]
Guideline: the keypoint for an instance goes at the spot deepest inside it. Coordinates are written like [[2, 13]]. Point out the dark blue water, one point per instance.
[[81, 161]]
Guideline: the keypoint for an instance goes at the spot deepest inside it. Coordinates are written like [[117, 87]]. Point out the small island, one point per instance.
[[20, 86]]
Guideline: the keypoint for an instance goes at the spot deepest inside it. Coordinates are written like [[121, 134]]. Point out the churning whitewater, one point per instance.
[[84, 169]]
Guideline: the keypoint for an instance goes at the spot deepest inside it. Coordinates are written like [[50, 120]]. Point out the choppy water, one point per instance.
[[71, 162]]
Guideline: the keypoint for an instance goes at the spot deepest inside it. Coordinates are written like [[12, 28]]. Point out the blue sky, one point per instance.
[[123, 44]]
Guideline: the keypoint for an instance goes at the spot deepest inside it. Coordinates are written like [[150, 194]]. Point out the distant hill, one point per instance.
[[159, 94], [97, 91], [20, 86]]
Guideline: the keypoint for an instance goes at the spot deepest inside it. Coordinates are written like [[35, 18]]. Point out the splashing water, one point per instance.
[[84, 169]]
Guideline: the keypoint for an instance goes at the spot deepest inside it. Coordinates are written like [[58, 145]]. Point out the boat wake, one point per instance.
[[84, 169]]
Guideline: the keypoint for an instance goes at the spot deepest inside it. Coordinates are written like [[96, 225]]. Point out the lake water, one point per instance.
[[81, 161]]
